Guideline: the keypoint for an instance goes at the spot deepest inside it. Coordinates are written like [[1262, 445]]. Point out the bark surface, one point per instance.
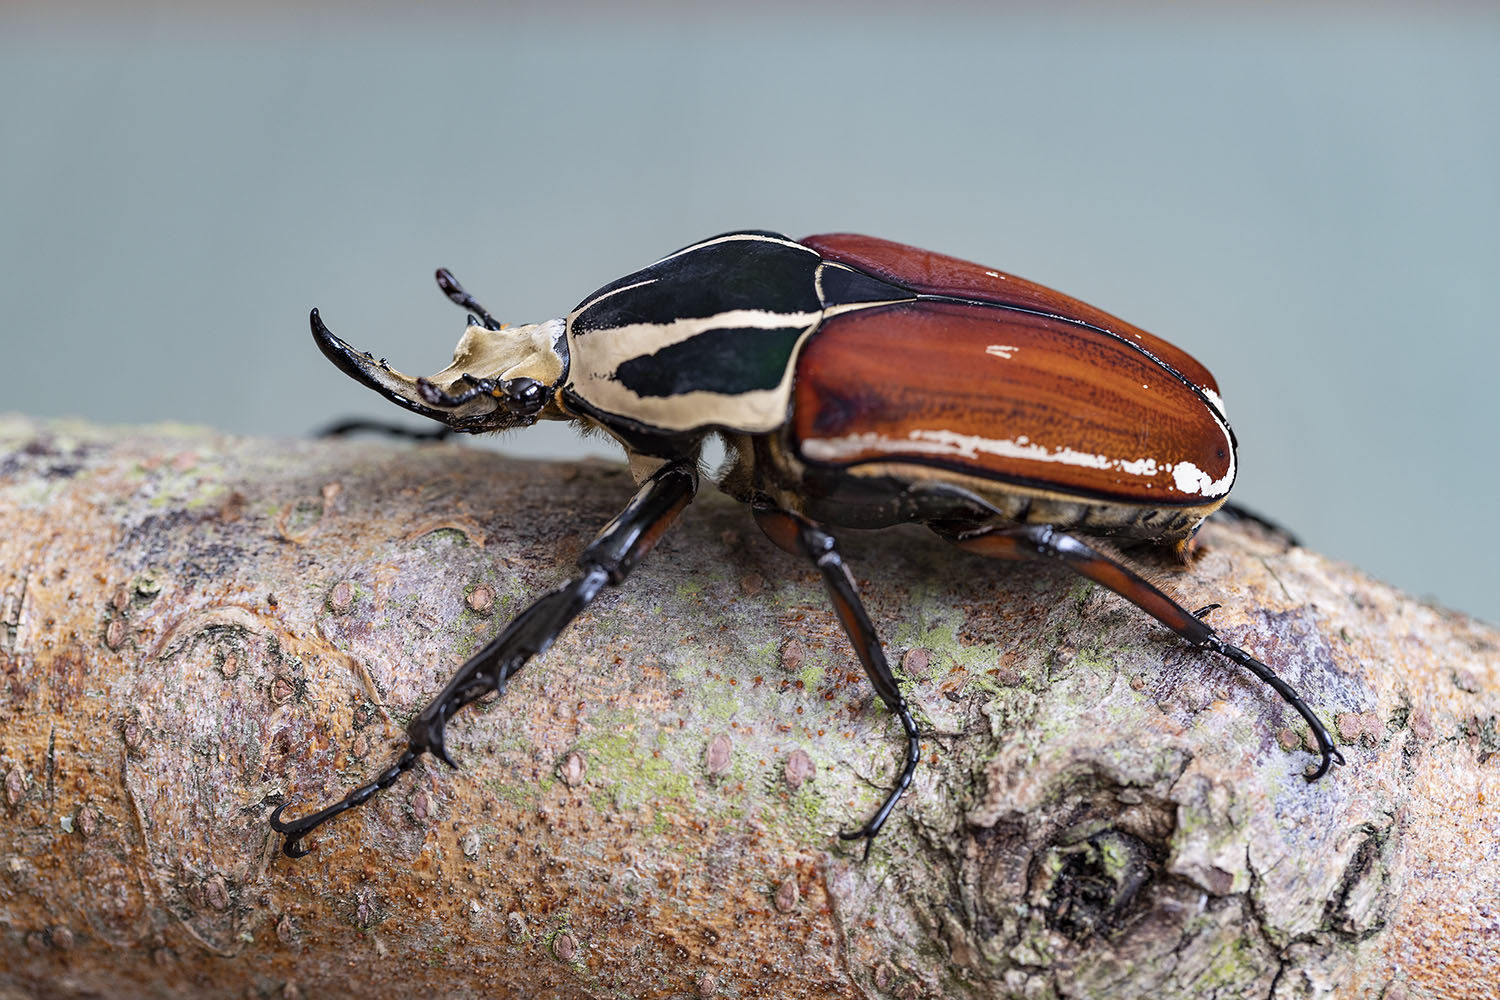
[[194, 627]]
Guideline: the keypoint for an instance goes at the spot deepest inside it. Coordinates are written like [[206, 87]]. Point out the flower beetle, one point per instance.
[[855, 383]]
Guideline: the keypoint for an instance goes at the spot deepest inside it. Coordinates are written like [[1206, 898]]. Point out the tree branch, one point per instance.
[[194, 627]]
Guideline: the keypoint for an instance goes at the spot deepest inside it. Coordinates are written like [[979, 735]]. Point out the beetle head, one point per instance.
[[498, 379]]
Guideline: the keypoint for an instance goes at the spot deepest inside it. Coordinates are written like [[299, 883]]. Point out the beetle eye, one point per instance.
[[522, 395]]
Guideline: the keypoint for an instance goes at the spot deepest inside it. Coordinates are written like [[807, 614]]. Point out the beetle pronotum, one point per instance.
[[855, 383]]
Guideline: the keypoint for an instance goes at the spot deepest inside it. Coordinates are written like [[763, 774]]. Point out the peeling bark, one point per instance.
[[194, 626]]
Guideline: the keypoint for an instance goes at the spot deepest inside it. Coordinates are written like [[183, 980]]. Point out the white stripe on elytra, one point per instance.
[[616, 291], [639, 340], [748, 237], [1186, 477], [1212, 397], [593, 375]]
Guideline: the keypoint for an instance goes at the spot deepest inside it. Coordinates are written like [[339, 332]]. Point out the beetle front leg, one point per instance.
[[608, 559], [1042, 541], [799, 536]]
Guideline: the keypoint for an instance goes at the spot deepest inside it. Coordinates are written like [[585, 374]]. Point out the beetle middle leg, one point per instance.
[[799, 536], [1239, 512], [1042, 541], [608, 559]]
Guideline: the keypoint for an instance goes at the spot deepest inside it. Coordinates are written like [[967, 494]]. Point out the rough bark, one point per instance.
[[193, 626]]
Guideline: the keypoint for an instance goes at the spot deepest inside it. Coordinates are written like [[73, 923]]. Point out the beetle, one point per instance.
[[855, 383]]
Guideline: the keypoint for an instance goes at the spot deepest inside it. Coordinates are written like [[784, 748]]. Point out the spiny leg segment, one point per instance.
[[607, 560], [1045, 542], [800, 536]]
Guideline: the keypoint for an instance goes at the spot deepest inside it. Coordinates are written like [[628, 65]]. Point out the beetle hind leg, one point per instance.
[[295, 830], [1042, 541], [1238, 512], [801, 537]]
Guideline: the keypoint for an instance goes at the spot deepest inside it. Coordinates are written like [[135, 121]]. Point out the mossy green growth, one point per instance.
[[808, 806], [1095, 660], [634, 775], [40, 494], [719, 700], [210, 487], [811, 675], [524, 795], [1035, 946], [1235, 966], [449, 536], [1114, 858]]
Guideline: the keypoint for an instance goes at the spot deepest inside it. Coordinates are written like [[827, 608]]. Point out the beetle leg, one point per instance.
[[1239, 512], [357, 426], [608, 559], [521, 397], [474, 387], [799, 536], [1042, 541]]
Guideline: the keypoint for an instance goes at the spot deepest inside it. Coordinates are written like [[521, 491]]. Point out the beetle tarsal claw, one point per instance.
[[293, 832], [440, 751], [1331, 756], [276, 823]]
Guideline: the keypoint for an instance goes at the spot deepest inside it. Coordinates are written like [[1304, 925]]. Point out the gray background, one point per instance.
[[1309, 203]]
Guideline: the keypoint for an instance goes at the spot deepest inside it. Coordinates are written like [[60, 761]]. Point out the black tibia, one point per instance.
[[799, 536], [346, 427], [455, 292], [608, 559], [1045, 542]]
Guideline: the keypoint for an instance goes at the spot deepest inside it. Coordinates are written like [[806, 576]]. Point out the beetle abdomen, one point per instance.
[[1007, 397]]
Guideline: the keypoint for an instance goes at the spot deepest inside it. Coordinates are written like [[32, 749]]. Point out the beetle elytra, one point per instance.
[[855, 383]]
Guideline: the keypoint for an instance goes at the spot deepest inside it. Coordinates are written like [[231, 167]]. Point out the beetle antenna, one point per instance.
[[456, 293]]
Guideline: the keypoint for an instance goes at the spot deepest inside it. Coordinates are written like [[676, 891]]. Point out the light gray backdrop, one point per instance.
[[1310, 203]]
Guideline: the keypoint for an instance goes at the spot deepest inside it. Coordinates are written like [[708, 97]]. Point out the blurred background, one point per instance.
[[1307, 199]]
